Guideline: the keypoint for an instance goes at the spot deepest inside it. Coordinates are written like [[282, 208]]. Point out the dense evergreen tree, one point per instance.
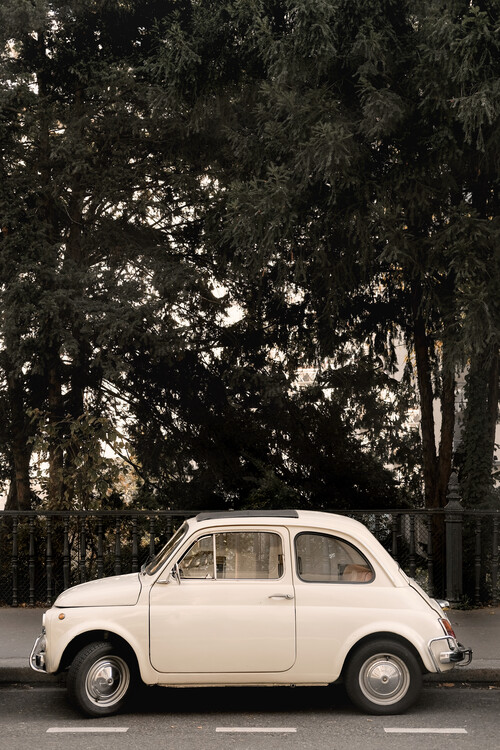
[[327, 171], [454, 224], [264, 233], [96, 250], [364, 182]]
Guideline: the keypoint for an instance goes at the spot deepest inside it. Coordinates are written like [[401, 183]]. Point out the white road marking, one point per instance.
[[248, 730], [82, 730], [426, 730]]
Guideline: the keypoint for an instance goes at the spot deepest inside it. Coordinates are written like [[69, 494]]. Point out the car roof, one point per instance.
[[302, 520], [312, 518], [210, 515]]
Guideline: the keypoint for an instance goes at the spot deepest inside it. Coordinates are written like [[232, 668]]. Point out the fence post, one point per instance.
[[15, 560], [453, 521], [494, 565]]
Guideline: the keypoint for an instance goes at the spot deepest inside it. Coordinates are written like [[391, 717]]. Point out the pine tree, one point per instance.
[[364, 182], [96, 249], [329, 168]]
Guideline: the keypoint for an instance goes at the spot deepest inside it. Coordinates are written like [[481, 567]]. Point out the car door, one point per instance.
[[231, 608], [335, 591]]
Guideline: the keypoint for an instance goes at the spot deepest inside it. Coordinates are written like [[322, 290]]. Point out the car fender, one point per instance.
[[383, 629], [64, 627]]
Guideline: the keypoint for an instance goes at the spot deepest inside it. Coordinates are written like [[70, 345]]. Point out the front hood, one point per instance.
[[117, 591]]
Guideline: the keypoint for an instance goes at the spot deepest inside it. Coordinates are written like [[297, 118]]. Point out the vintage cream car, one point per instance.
[[253, 598]]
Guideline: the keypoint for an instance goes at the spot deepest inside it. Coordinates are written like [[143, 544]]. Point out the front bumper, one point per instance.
[[446, 653], [37, 656]]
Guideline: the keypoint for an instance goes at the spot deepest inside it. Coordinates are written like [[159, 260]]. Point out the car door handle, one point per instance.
[[281, 596]]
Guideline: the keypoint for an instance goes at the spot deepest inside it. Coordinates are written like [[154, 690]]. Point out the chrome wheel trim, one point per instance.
[[384, 679], [107, 681]]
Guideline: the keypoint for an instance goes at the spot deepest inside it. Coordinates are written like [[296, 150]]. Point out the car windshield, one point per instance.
[[157, 562]]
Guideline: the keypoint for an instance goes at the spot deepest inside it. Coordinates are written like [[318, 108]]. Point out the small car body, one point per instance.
[[253, 598]]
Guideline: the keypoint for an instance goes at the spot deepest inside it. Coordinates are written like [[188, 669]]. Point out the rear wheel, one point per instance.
[[383, 677], [99, 679]]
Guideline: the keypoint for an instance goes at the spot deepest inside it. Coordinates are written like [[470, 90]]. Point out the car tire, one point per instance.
[[99, 679], [383, 677]]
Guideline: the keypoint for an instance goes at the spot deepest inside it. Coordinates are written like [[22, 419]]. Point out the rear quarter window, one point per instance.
[[324, 558]]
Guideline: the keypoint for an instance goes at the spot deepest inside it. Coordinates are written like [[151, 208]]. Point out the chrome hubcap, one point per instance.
[[384, 679], [107, 681]]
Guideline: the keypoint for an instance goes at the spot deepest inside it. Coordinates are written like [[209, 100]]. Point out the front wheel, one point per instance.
[[99, 680], [383, 677]]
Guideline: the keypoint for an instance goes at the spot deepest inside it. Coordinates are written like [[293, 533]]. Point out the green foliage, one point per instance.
[[327, 169], [97, 242], [91, 473]]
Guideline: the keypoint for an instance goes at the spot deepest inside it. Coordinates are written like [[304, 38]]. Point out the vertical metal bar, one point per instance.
[[430, 558], [454, 555], [14, 560], [31, 562], [3, 536], [66, 566], [83, 549], [48, 560], [394, 546], [100, 556], [453, 519], [118, 564], [151, 536], [494, 564], [135, 547], [477, 563], [412, 545]]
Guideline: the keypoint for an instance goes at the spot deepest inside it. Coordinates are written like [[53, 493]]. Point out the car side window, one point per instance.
[[234, 555], [198, 562], [321, 558]]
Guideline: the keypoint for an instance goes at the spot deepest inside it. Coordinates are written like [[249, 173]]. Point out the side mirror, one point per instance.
[[173, 576]]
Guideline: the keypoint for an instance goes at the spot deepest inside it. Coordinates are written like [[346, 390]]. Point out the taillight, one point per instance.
[[446, 624]]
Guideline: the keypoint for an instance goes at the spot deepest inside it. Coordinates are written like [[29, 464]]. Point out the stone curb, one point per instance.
[[481, 670], [18, 671], [15, 671]]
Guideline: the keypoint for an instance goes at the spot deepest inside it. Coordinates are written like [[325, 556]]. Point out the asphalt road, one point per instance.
[[248, 719]]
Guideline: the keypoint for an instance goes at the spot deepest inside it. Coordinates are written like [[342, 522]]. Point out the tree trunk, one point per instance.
[[19, 497], [478, 444], [445, 458], [436, 468], [421, 345], [56, 453], [75, 257], [493, 397]]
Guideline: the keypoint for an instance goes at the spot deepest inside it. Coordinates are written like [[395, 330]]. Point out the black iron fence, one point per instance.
[[452, 553]]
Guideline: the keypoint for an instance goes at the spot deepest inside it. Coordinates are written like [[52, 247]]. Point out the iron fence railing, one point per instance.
[[451, 553]]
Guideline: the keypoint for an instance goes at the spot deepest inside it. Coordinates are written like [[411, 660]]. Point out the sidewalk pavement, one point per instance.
[[478, 629]]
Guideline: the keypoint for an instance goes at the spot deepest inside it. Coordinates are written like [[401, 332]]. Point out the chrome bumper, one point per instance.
[[461, 656], [37, 656], [452, 653]]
